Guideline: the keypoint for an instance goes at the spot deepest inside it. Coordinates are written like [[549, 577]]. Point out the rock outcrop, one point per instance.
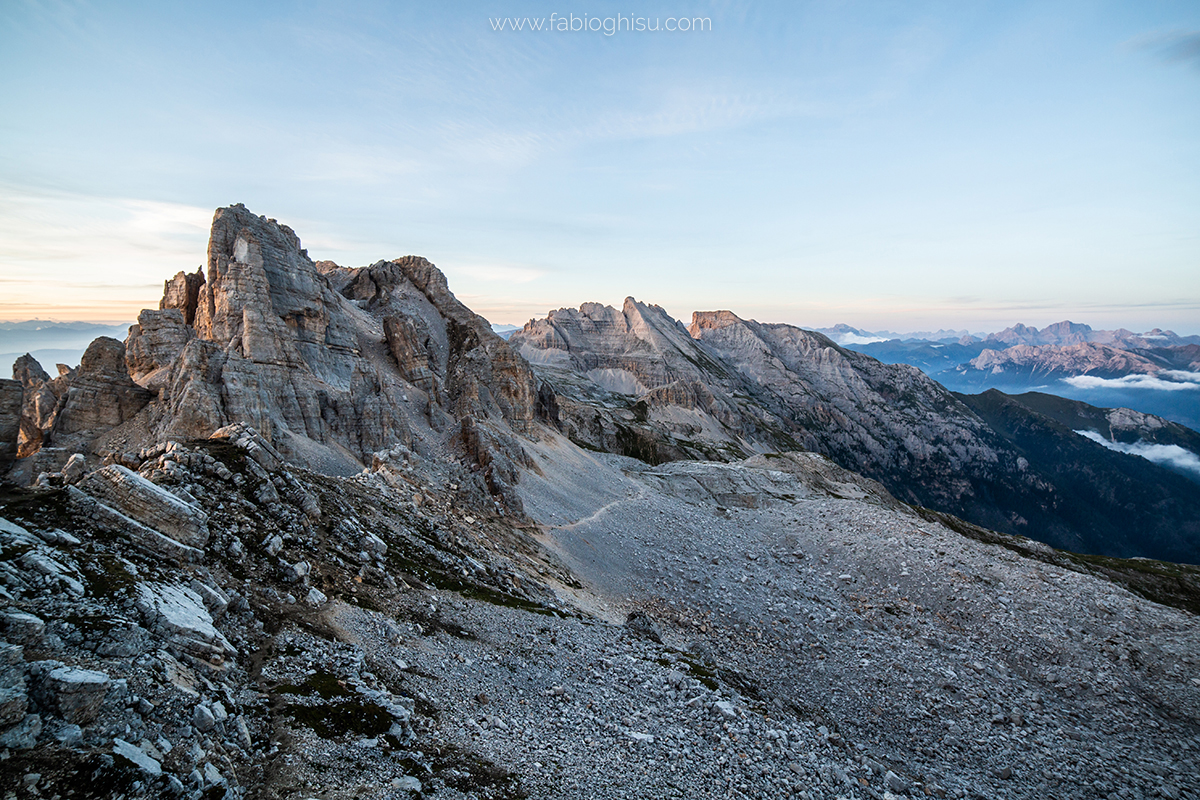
[[133, 495], [40, 401], [153, 345], [100, 397], [11, 395], [328, 364], [182, 293]]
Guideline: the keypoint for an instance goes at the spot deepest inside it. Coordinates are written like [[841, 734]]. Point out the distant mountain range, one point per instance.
[[53, 342], [1157, 371], [1060, 333]]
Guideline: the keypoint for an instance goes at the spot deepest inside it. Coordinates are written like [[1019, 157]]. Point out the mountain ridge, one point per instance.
[[485, 608]]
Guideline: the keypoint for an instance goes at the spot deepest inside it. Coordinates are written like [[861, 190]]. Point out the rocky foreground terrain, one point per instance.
[[219, 623], [317, 532]]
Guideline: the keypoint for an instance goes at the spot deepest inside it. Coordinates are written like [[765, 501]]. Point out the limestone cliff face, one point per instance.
[[878, 419], [634, 381], [330, 364], [638, 343]]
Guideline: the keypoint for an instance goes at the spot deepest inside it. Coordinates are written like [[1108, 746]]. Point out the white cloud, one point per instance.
[[1182, 381], [854, 338], [1167, 454]]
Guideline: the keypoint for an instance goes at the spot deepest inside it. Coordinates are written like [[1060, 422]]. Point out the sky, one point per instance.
[[891, 165]]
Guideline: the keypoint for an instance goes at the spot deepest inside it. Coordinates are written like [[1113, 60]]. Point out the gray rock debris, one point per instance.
[[13, 705], [138, 756], [144, 538]]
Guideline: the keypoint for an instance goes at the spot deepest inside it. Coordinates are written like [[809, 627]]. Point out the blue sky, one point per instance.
[[897, 165]]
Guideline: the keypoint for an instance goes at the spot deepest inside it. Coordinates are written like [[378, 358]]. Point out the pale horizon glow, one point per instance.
[[901, 168]]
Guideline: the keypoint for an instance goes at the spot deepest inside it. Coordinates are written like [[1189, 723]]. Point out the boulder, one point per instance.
[[143, 538], [74, 694], [74, 469], [178, 613], [155, 507], [21, 627], [13, 705]]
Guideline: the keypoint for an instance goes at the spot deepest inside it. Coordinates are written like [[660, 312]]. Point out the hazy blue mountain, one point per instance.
[[52, 342]]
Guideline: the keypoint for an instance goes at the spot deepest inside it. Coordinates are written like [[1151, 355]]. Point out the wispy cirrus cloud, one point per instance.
[[1174, 47], [71, 255]]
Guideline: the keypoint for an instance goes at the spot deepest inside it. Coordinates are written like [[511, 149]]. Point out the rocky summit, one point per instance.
[[313, 531]]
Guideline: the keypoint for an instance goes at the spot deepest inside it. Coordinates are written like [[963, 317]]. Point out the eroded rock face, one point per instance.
[[409, 348], [11, 394], [40, 401], [639, 340], [153, 345], [101, 396], [182, 293], [621, 379], [473, 372], [28, 372], [328, 364]]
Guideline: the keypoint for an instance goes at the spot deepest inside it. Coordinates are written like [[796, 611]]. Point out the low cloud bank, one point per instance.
[[854, 338], [1179, 381], [1169, 455]]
